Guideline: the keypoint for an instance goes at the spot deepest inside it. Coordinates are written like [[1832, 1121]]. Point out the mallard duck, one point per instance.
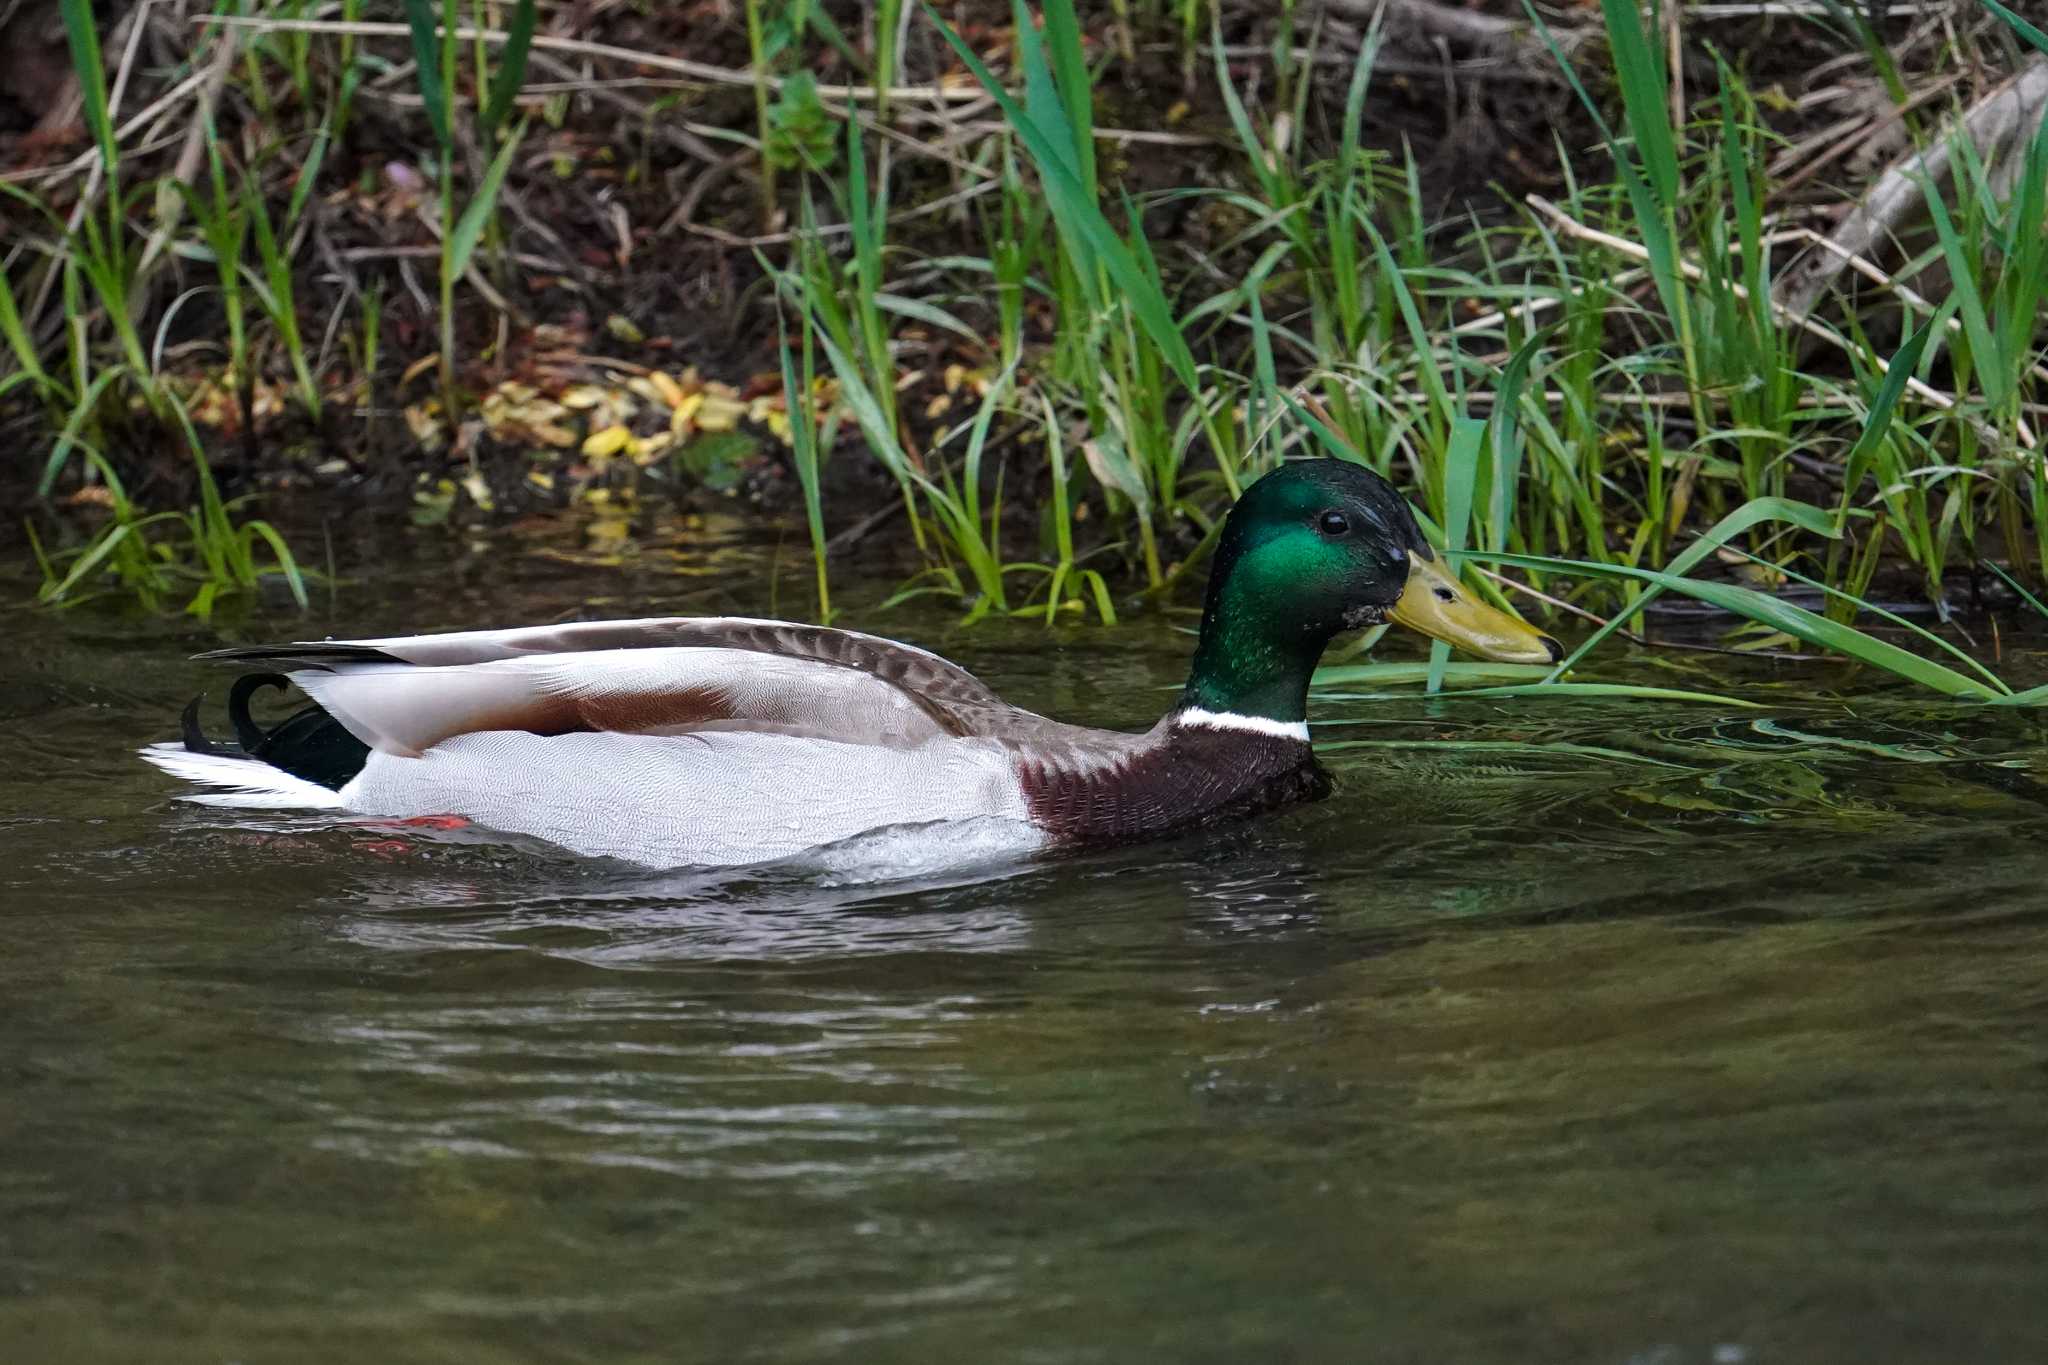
[[725, 741]]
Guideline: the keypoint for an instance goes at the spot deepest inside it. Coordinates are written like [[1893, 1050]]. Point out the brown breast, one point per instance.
[[1192, 775]]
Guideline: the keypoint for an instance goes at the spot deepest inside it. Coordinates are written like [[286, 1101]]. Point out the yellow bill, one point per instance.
[[1444, 609]]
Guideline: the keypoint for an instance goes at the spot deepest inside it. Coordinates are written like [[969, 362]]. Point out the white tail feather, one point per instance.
[[248, 782]]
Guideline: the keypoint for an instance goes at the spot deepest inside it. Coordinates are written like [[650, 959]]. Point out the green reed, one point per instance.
[[436, 53], [807, 450], [153, 557]]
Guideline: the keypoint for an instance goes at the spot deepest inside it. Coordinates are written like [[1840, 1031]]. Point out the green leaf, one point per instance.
[[2019, 25], [426, 59], [2033, 696], [81, 32], [1877, 422], [16, 335], [1639, 64], [1504, 441], [917, 310], [511, 66], [1461, 474], [1755, 512], [302, 184], [1404, 673], [1796, 622], [1076, 89], [470, 228], [286, 563], [1589, 689], [2017, 587], [801, 134], [1077, 212], [87, 404], [1993, 374]]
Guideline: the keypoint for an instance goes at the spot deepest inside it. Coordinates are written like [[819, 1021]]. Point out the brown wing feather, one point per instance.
[[426, 704]]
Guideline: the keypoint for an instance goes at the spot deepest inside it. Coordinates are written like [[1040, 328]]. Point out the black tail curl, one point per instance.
[[195, 738], [249, 736], [309, 743]]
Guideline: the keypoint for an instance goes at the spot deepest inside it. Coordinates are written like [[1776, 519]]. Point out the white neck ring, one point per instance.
[[1253, 725]]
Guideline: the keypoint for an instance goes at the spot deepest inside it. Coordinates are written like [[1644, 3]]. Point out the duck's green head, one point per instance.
[[1314, 548]]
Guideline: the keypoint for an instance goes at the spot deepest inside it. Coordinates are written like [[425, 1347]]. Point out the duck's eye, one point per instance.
[[1333, 523]]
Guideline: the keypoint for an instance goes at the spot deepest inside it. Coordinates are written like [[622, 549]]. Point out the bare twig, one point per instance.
[[356, 254], [700, 71], [1849, 136], [1445, 21], [1898, 199], [1801, 9], [939, 205], [1871, 271], [1151, 136], [1525, 312], [170, 205]]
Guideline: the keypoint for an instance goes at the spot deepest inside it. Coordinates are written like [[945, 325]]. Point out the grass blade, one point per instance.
[[1755, 512], [2019, 25], [83, 36], [1639, 64], [1461, 474], [1075, 88], [1078, 213], [1764, 609], [511, 72], [426, 56], [470, 228]]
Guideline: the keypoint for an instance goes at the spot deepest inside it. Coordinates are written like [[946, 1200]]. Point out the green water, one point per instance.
[[1610, 1032]]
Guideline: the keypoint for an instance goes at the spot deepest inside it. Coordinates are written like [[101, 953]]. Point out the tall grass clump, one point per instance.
[[436, 55], [1121, 358], [1965, 679], [100, 380], [1617, 420]]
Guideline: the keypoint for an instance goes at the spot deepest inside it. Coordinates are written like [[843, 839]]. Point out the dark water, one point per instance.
[[1622, 1032]]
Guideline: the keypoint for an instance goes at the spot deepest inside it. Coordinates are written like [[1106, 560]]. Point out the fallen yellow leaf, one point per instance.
[[685, 415], [645, 450], [721, 408], [671, 392], [479, 491], [610, 441]]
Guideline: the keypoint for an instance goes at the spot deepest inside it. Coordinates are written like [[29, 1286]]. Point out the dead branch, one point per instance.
[[1896, 206], [700, 71]]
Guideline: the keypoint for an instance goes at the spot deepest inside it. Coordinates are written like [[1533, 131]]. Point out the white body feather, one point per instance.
[[609, 739], [720, 798]]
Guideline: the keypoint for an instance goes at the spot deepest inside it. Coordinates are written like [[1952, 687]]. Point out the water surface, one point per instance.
[[1625, 1032]]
